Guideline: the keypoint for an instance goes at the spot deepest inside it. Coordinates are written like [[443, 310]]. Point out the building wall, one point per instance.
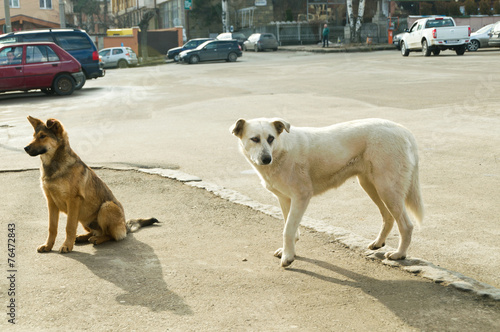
[[31, 9]]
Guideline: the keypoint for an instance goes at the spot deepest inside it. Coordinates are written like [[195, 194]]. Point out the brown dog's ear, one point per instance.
[[281, 125], [237, 128], [35, 122], [55, 126]]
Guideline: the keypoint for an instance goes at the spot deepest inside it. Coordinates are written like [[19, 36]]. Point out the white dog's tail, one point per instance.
[[414, 198]]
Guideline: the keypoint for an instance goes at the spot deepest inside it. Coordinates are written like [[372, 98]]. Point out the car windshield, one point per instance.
[[191, 43], [439, 22], [484, 29]]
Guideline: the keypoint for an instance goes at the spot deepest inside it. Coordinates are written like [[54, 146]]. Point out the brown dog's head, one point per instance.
[[47, 137]]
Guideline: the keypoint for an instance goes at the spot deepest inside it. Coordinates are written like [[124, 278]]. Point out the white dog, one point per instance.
[[297, 163]]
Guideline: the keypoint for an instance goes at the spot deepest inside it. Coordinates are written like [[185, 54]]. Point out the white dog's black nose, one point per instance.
[[266, 160]]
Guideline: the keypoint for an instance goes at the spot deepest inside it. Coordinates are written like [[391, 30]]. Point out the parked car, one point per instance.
[[433, 35], [260, 42], [121, 57], [45, 66], [228, 50], [240, 37], [75, 41], [173, 53], [397, 39], [480, 38], [494, 40]]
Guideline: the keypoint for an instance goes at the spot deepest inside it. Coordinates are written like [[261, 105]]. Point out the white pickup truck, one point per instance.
[[434, 34]]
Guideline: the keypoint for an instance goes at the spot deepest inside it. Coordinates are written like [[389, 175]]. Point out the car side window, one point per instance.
[[211, 46], [73, 41], [38, 37], [117, 51], [8, 40], [40, 53], [11, 56], [104, 53]]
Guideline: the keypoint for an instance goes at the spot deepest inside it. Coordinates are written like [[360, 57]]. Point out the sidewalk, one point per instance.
[[338, 48], [208, 266]]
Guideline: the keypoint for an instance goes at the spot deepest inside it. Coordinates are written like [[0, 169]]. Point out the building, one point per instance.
[[32, 14]]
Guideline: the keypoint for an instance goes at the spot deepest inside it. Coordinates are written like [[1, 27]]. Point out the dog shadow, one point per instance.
[[133, 266], [400, 296]]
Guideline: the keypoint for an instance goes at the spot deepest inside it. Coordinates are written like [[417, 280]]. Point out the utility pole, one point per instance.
[[62, 14], [8, 26], [225, 17]]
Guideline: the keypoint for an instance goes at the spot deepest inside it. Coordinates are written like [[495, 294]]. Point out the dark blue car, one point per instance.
[[173, 53], [74, 41]]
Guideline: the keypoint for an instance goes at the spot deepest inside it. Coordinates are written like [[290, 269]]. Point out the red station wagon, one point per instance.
[[45, 66]]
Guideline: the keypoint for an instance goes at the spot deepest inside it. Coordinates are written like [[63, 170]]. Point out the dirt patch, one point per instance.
[[209, 266]]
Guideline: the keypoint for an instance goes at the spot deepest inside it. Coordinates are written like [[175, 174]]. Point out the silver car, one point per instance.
[[261, 41], [121, 57], [480, 38]]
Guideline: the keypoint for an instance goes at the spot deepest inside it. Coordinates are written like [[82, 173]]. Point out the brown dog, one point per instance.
[[72, 187]]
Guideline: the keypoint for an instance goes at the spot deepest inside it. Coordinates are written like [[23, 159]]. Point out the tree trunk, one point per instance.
[[350, 13], [359, 22]]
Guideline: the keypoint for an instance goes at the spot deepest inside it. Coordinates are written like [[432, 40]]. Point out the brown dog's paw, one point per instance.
[[44, 248], [84, 238], [65, 249]]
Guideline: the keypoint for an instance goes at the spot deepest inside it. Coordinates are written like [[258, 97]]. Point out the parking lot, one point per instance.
[[178, 117]]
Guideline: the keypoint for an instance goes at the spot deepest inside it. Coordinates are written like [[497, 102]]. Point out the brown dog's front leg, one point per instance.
[[71, 226], [53, 221]]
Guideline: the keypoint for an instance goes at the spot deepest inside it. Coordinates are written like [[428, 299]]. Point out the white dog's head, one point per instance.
[[259, 138]]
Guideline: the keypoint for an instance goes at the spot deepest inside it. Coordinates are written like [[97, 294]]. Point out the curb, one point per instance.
[[345, 237]]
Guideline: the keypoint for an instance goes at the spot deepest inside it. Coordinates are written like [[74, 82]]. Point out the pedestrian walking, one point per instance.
[[326, 32]]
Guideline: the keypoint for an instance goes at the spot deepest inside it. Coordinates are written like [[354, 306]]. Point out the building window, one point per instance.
[[45, 4], [14, 4]]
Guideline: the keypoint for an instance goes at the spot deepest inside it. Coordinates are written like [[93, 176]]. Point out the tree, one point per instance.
[[484, 7], [144, 25], [470, 7], [496, 7], [454, 9], [356, 22]]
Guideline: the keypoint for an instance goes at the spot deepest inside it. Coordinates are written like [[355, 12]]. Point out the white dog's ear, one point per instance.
[[237, 128], [281, 125]]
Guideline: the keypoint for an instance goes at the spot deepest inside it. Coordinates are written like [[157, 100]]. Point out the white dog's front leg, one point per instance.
[[298, 207]]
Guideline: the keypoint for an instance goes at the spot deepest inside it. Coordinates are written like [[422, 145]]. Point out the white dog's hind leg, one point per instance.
[[297, 209], [387, 219], [405, 227]]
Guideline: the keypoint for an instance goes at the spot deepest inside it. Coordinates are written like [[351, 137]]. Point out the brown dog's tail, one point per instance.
[[134, 224]]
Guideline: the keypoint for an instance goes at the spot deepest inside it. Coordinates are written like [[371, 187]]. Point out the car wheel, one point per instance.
[[256, 48], [404, 50], [63, 85], [194, 59], [82, 83], [425, 48], [232, 57], [473, 45], [460, 50], [275, 49], [436, 52], [177, 57], [122, 64]]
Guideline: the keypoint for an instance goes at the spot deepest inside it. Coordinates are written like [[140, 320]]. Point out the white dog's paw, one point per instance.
[[394, 255], [286, 260], [375, 245]]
